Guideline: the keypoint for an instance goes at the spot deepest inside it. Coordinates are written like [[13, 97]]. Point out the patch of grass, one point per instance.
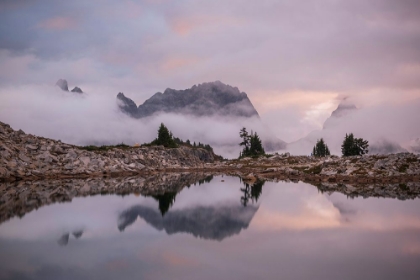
[[403, 168], [404, 187], [291, 161], [313, 170], [268, 155], [92, 148], [379, 157]]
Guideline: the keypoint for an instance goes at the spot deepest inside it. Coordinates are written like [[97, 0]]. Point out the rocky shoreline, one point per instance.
[[28, 157], [21, 197]]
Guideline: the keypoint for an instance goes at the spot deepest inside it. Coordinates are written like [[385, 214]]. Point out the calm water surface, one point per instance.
[[216, 230]]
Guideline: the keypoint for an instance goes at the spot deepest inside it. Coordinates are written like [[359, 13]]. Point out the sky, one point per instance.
[[295, 59]]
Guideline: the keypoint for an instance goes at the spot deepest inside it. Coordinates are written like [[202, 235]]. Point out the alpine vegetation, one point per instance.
[[165, 138], [320, 149], [354, 146], [252, 144]]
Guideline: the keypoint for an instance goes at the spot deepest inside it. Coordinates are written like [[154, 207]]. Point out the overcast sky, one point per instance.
[[294, 59]]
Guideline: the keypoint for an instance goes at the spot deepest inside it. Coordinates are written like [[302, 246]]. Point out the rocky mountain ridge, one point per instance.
[[343, 109], [206, 99], [214, 99]]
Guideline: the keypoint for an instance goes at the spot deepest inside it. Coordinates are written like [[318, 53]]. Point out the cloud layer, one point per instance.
[[94, 118]]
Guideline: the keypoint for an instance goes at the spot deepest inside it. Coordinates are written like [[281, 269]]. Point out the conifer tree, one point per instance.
[[252, 144], [245, 141], [165, 137], [327, 150], [354, 146], [320, 149], [256, 147]]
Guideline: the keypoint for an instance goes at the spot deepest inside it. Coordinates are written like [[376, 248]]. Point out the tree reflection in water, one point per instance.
[[251, 192], [165, 200]]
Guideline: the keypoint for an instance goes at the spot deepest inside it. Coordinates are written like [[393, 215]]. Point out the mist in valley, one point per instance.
[[389, 128], [96, 119]]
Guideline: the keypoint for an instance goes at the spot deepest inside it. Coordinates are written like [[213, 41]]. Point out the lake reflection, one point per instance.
[[218, 228]]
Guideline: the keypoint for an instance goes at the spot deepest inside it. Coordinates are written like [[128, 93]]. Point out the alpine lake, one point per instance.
[[212, 227]]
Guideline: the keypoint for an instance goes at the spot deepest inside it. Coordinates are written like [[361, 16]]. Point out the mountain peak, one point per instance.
[[77, 89], [61, 83], [219, 86], [344, 108], [127, 105], [206, 99]]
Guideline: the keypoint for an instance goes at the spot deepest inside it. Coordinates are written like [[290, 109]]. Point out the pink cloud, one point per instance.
[[58, 23], [175, 63], [183, 26], [175, 259]]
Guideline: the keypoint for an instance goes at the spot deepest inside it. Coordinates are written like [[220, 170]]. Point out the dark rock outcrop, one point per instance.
[[61, 83], [207, 99], [127, 105], [77, 90]]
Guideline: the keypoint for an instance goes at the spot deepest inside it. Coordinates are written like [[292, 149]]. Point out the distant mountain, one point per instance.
[[77, 89], [127, 105], [385, 147], [62, 83], [343, 109], [334, 129], [304, 145], [207, 99]]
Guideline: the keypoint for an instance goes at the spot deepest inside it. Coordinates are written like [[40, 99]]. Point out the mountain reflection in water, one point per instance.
[[208, 222], [214, 222]]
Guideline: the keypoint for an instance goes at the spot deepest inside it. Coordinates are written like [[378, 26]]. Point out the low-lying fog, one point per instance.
[[389, 128], [95, 119]]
